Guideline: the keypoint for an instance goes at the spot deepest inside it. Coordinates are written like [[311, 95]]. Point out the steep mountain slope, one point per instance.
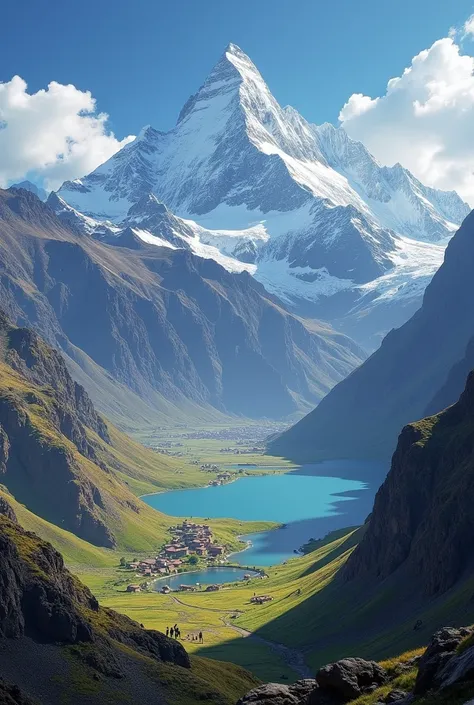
[[56, 454], [398, 383], [311, 208], [177, 330], [76, 649], [421, 519]]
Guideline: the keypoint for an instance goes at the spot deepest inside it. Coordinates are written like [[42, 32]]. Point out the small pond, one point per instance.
[[209, 576]]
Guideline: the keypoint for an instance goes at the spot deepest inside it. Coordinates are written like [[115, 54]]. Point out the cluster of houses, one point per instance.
[[243, 451], [209, 467], [260, 599], [221, 479], [190, 537], [187, 538], [153, 567]]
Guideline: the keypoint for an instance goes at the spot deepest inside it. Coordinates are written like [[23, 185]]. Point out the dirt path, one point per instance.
[[293, 658]]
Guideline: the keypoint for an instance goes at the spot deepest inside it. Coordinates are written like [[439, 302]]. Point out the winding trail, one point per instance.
[[293, 658]]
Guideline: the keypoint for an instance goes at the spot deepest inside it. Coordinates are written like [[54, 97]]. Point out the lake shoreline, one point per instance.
[[309, 502]]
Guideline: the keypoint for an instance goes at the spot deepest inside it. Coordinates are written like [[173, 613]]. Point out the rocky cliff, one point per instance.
[[422, 520]]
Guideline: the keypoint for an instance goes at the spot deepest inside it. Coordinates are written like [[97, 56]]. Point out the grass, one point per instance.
[[404, 682], [290, 584]]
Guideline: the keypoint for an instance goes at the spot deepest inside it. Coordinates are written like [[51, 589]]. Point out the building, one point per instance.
[[213, 588], [260, 599], [216, 550], [134, 588], [176, 551]]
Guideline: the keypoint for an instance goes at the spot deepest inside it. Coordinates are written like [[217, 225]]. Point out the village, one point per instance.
[[188, 540], [190, 543]]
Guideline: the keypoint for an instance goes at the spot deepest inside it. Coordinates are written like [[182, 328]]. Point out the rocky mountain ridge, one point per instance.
[[177, 331], [410, 375]]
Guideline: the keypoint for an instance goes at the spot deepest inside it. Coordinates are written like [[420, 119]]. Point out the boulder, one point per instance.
[[279, 694], [439, 652], [12, 695], [351, 677], [395, 696], [457, 670]]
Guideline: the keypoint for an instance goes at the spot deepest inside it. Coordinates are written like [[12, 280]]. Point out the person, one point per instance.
[[171, 632], [200, 638], [167, 631]]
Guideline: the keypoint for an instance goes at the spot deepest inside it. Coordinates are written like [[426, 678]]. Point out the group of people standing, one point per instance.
[[175, 632]]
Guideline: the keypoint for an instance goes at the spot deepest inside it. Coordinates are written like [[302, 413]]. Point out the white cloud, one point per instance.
[[425, 120], [468, 26], [56, 134]]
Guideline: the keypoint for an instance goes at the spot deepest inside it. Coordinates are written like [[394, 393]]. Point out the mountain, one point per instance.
[[328, 229], [77, 650], [33, 188], [159, 326], [421, 521], [57, 457], [418, 369]]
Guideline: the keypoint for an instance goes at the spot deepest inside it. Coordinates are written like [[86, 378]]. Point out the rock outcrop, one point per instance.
[[350, 677], [335, 684], [12, 695], [422, 519], [440, 665], [7, 510], [447, 664]]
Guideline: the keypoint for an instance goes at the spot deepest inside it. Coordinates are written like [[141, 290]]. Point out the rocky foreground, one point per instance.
[[443, 674]]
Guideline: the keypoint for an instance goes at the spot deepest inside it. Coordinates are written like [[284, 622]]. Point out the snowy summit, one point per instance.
[[303, 207]]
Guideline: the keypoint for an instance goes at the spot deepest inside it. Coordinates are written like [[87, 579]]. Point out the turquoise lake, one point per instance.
[[210, 576], [311, 501]]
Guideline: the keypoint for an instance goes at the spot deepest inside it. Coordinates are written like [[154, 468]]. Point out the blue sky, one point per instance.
[[142, 60], [139, 62]]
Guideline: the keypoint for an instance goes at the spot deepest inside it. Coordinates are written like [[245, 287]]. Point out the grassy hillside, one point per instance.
[[104, 649], [312, 612]]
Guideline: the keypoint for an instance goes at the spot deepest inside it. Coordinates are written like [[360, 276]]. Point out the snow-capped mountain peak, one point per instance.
[[310, 208]]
